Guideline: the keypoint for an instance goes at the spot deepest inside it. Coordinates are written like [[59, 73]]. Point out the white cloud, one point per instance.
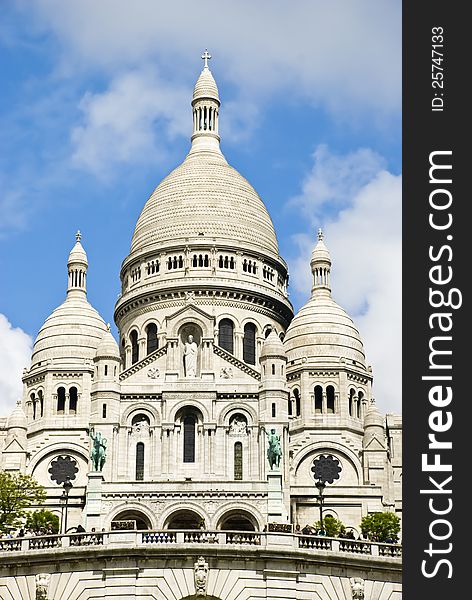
[[364, 239], [118, 124], [343, 55], [15, 355]]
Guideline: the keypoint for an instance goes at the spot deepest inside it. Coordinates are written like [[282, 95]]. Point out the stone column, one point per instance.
[[93, 501]]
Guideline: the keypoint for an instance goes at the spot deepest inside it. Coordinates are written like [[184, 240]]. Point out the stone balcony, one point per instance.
[[174, 538], [131, 565]]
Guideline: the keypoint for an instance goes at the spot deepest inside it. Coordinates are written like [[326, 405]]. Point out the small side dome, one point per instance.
[[206, 85], [322, 331], [74, 329], [320, 251], [78, 254], [373, 418], [107, 347], [17, 419], [273, 347]]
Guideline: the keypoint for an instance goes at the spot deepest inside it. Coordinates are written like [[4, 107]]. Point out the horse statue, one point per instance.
[[98, 453], [274, 451]]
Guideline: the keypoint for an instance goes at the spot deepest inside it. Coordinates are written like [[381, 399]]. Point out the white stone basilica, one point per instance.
[[210, 365]]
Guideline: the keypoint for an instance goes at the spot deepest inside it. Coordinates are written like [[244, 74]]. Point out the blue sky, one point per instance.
[[95, 111]]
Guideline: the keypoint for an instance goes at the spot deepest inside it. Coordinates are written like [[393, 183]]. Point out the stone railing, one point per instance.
[[268, 540]]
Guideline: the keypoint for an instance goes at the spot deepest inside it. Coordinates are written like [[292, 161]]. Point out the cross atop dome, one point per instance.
[[320, 234], [78, 235], [206, 57]]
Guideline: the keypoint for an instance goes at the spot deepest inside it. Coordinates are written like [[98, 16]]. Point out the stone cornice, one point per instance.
[[143, 362], [210, 294], [236, 362]]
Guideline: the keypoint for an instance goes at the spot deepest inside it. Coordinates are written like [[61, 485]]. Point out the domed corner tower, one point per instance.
[[204, 254], [57, 386], [330, 388]]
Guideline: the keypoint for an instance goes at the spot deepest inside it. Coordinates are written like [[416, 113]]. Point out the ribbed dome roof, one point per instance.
[[322, 331], [272, 346], [373, 418], [77, 254], [202, 198], [206, 86], [72, 331], [17, 419], [320, 251], [107, 346]]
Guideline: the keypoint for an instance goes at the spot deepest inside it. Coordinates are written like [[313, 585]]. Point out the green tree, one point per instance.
[[17, 493], [381, 526], [42, 519], [332, 526]]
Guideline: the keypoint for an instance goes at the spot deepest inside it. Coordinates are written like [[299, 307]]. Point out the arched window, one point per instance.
[[123, 351], [133, 336], [298, 408], [140, 418], [33, 403], [225, 335], [238, 461], [72, 400], [104, 411], [61, 400], [274, 410], [41, 403], [139, 461], [249, 344], [359, 405], [318, 399], [351, 402], [152, 341], [330, 399], [189, 439]]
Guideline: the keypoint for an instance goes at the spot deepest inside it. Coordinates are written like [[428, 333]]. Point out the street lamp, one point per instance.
[[325, 469], [67, 485], [321, 486]]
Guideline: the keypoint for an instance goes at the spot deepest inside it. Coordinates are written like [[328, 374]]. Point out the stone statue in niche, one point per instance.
[[141, 426], [238, 426], [201, 576], [190, 357]]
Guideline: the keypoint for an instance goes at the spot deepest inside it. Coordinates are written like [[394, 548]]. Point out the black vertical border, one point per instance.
[[425, 131]]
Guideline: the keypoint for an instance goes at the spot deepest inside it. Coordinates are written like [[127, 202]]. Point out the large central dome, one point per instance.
[[205, 198]]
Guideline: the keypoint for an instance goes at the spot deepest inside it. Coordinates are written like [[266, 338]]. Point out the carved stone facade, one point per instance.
[[209, 357]]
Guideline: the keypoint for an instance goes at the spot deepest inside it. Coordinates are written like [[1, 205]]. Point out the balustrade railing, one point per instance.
[[243, 537], [10, 544], [44, 541], [265, 539], [159, 537], [86, 539], [201, 537], [313, 541], [355, 546], [390, 550]]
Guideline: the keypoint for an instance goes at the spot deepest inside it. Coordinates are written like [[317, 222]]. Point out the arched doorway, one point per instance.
[[131, 519], [185, 519], [238, 520]]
